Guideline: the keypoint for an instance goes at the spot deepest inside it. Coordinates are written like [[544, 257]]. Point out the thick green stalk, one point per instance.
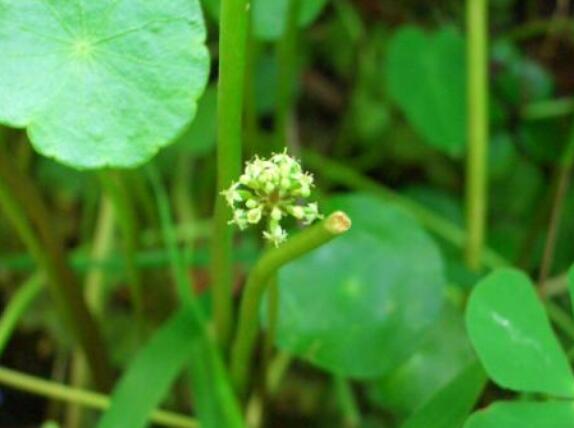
[[18, 304], [476, 191], [287, 75], [268, 265], [232, 64], [25, 209], [56, 391]]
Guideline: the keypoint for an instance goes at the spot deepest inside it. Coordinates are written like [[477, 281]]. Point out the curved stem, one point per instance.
[[477, 65], [25, 209], [82, 397], [564, 175], [450, 232], [232, 65], [297, 246], [18, 304]]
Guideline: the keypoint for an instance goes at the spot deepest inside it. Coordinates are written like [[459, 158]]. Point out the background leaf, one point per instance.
[[445, 352], [362, 292], [104, 83], [450, 407], [510, 331], [524, 415], [425, 76], [152, 373], [179, 342]]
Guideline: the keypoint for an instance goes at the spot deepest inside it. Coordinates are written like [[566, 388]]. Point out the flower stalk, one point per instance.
[[258, 280]]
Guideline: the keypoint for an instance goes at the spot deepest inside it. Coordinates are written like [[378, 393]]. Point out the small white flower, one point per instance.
[[276, 235], [254, 215], [271, 188], [232, 195]]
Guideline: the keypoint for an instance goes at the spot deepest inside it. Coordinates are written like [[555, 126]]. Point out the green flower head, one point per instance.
[[272, 189]]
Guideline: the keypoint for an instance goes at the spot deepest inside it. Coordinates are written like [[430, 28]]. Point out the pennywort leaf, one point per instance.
[[359, 306], [524, 415], [104, 83], [511, 333]]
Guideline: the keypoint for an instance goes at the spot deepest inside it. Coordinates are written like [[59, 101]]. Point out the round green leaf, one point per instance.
[[101, 83], [524, 415], [270, 16], [359, 306], [425, 76], [445, 352], [511, 333], [450, 406]]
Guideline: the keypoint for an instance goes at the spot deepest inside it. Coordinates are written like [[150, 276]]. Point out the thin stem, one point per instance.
[[18, 304], [232, 65], [548, 109], [177, 264], [93, 291], [477, 65], [560, 318], [25, 209], [115, 187], [56, 391], [564, 175], [306, 241], [347, 402], [342, 174], [272, 317], [287, 74]]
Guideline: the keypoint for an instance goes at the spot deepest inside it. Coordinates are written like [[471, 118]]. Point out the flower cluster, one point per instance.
[[271, 188]]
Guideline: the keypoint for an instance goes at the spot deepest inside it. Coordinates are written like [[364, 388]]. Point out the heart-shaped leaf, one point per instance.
[[524, 415], [270, 17], [360, 305], [425, 76], [101, 83], [510, 331]]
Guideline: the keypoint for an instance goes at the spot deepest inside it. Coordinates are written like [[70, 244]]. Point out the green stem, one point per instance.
[[177, 264], [347, 402], [477, 65], [232, 65], [25, 209], [114, 184], [548, 109], [342, 174], [18, 304], [306, 241], [94, 293], [560, 318], [446, 230], [56, 391], [563, 183], [287, 74], [272, 317]]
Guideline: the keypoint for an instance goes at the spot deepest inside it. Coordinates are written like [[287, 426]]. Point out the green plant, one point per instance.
[[408, 172]]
